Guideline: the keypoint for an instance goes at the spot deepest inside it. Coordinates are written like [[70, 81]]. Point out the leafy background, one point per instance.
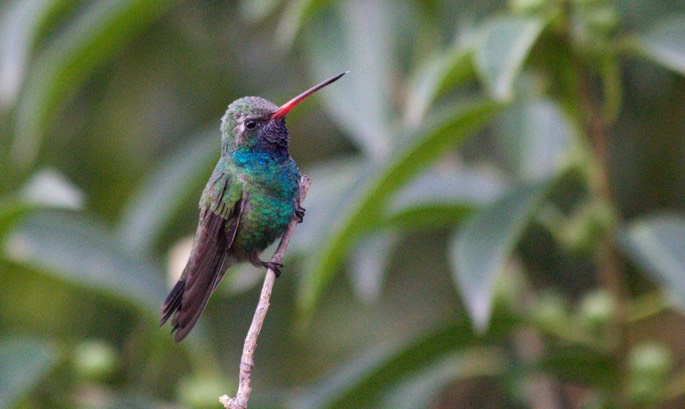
[[496, 218]]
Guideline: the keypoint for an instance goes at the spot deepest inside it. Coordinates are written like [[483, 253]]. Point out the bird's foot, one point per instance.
[[299, 213], [275, 267]]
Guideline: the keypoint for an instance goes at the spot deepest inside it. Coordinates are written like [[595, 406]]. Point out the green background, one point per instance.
[[496, 217]]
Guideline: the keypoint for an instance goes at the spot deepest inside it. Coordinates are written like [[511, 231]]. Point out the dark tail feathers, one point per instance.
[[173, 303]]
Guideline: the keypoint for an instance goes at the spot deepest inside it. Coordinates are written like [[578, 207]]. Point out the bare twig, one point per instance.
[[247, 360]]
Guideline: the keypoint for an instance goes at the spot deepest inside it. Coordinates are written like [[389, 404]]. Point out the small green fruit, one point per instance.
[[650, 360], [650, 364], [95, 360], [597, 309], [603, 19], [549, 311], [202, 391]]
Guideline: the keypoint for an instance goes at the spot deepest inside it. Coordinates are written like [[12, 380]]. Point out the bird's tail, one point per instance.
[[188, 299], [172, 303], [206, 266]]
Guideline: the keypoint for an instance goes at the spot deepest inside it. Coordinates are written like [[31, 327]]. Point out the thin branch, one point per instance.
[[247, 360], [609, 268]]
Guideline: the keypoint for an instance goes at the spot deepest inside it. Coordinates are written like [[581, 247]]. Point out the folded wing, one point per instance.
[[219, 220]]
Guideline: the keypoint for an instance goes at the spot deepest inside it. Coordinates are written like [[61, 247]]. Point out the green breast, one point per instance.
[[271, 184]]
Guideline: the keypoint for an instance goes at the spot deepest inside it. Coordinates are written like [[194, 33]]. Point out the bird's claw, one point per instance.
[[299, 214], [275, 267]]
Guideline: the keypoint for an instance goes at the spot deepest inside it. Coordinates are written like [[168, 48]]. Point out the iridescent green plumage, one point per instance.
[[247, 204]]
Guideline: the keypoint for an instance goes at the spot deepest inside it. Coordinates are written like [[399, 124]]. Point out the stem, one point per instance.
[[597, 128], [596, 114], [613, 92], [247, 360], [646, 306]]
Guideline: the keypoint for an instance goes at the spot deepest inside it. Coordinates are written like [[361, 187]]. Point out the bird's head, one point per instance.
[[255, 123]]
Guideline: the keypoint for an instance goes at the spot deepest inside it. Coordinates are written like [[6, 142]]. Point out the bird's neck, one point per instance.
[[257, 157]]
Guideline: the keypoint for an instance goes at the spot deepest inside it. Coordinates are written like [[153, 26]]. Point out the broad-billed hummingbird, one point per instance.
[[247, 204]]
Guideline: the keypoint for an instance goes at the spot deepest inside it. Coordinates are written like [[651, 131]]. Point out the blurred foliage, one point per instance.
[[496, 218]]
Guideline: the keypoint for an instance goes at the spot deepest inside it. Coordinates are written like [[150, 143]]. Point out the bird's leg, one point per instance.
[[299, 213], [276, 267]]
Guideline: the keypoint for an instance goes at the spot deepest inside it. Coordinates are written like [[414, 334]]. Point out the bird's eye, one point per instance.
[[250, 124]]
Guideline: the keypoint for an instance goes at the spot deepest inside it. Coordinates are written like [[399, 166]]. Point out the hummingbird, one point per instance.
[[249, 200]]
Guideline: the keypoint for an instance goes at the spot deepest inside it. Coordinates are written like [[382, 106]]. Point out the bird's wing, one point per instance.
[[220, 211]]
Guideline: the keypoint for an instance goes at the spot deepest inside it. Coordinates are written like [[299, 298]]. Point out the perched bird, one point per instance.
[[247, 204]]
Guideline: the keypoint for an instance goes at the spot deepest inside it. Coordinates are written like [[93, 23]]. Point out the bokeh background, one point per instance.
[[496, 218]]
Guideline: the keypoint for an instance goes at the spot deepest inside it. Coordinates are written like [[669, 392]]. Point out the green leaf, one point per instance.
[[504, 47], [657, 244], [369, 262], [19, 26], [45, 189], [83, 252], [94, 37], [422, 390], [434, 216], [332, 184], [442, 197], [664, 43], [361, 382], [348, 36], [293, 19], [165, 189], [448, 184], [535, 138], [257, 10], [482, 248], [363, 206], [580, 365], [11, 213], [49, 188], [23, 363], [440, 74]]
